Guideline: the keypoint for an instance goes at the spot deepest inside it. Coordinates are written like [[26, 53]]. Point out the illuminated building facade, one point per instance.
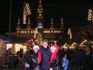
[[51, 33]]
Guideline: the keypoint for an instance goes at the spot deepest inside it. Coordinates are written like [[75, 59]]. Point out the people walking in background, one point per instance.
[[12, 59], [20, 54]]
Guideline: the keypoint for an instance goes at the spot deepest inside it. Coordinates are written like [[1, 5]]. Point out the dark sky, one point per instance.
[[73, 11]]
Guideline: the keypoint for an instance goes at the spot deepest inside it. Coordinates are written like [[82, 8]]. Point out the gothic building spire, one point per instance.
[[28, 25], [18, 23], [40, 10], [26, 12], [90, 11], [62, 22], [51, 23], [40, 15]]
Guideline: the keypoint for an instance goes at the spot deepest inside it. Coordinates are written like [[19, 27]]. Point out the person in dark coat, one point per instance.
[[92, 55], [32, 59], [20, 54], [45, 55], [77, 59], [36, 58], [12, 59], [27, 59], [88, 58]]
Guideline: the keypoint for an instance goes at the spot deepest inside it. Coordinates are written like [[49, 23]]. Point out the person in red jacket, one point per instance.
[[54, 58]]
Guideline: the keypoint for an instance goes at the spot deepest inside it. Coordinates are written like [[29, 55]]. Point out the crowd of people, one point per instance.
[[51, 56]]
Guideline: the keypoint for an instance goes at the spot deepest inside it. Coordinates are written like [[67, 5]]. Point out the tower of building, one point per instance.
[[39, 33], [62, 23], [28, 23], [26, 12], [18, 25], [40, 10], [51, 23], [40, 15]]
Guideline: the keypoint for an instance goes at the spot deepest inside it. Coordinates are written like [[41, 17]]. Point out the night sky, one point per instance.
[[73, 11]]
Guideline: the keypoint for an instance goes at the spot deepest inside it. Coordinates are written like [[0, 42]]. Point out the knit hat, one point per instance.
[[54, 55], [53, 47], [36, 46]]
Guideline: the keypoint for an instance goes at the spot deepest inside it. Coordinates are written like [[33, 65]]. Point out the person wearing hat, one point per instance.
[[33, 59], [54, 61]]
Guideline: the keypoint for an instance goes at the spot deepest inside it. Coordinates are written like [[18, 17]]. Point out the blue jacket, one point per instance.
[[65, 64]]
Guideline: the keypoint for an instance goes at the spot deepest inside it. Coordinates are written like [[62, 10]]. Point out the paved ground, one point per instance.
[[5, 67], [19, 67]]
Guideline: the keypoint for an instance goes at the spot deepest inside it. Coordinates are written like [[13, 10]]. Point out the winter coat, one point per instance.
[[45, 57], [55, 64], [54, 60], [31, 59]]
